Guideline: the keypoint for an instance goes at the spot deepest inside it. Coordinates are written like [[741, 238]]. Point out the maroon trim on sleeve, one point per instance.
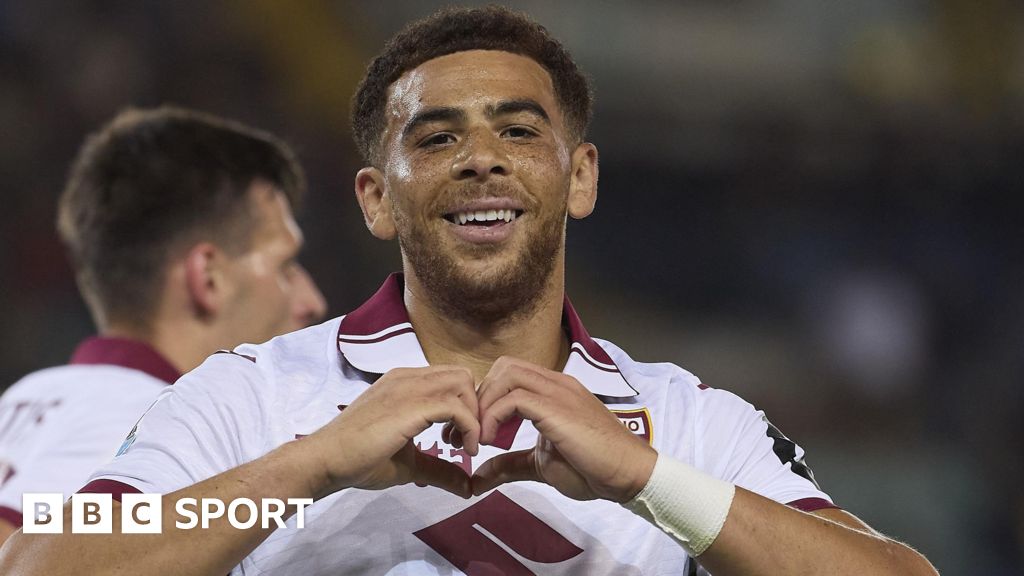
[[12, 516], [811, 504], [126, 353], [112, 487]]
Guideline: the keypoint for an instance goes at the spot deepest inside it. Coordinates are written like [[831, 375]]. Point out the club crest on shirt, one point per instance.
[[637, 421]]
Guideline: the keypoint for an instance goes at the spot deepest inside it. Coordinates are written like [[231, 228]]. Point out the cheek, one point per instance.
[[542, 159], [546, 172], [398, 168], [564, 158], [255, 265], [411, 195], [266, 282]]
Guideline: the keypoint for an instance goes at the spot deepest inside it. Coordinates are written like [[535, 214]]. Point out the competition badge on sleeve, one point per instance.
[[130, 438]]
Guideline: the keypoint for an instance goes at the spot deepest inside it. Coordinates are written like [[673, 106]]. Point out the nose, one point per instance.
[[481, 157], [308, 303]]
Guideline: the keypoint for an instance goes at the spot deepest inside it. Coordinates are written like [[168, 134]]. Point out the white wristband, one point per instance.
[[686, 503]]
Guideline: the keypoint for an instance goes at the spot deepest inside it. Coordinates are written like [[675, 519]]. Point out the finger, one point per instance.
[[493, 378], [461, 384], [443, 380], [450, 435], [428, 470], [519, 402], [498, 381], [463, 422], [508, 374], [510, 467]]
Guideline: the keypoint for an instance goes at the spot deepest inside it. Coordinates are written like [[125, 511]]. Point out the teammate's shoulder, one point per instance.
[[83, 379]]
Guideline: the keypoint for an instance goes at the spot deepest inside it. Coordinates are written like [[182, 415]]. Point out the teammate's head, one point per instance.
[[458, 30], [169, 185]]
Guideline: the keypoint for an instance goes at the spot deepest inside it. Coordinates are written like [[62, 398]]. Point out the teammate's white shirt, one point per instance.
[[59, 424], [238, 406]]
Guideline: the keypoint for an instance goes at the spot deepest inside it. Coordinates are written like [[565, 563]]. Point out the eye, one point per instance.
[[517, 132], [439, 139], [290, 268]]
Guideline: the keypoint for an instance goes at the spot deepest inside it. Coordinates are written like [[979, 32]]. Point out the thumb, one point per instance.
[[510, 467], [428, 470]]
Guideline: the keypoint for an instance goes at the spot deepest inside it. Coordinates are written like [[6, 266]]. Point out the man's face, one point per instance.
[[477, 165], [273, 293]]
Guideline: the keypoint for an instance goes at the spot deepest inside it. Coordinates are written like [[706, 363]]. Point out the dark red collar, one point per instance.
[[125, 353], [378, 336]]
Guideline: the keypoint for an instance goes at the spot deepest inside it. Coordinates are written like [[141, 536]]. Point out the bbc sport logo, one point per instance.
[[43, 513]]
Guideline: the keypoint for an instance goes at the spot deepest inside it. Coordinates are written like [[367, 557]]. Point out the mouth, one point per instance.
[[485, 221], [484, 218]]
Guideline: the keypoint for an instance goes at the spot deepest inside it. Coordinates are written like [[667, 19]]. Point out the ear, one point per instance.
[[204, 279], [583, 182], [375, 203]]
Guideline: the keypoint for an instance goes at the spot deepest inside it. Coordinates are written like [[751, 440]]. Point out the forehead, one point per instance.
[[469, 79]]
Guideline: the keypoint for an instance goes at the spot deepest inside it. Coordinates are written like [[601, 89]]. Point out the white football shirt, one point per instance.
[[57, 425], [238, 406]]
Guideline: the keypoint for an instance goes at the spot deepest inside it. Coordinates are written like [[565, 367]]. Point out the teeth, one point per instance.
[[485, 216]]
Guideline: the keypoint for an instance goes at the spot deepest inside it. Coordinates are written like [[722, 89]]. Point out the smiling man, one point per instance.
[[471, 372]]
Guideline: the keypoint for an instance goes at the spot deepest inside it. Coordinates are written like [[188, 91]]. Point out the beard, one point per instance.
[[507, 290]]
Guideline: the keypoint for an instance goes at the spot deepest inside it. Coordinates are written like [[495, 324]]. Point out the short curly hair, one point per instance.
[[457, 30]]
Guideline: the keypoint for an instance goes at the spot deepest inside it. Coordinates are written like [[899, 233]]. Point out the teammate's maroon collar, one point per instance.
[[127, 354], [377, 337]]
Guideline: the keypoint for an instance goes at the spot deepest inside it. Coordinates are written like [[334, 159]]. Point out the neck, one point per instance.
[[183, 350], [537, 337]]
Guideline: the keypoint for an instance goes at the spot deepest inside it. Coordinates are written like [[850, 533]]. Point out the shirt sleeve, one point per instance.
[[741, 446], [213, 419]]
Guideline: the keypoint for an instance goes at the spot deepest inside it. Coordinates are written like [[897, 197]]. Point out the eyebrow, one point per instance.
[[434, 114], [516, 106]]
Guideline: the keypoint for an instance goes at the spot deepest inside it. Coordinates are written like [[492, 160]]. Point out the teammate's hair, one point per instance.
[[152, 182], [457, 30]]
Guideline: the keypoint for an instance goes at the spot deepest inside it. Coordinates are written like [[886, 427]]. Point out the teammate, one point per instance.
[[471, 372], [180, 228]]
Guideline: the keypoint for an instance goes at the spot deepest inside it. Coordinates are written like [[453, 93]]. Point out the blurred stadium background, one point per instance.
[[812, 203]]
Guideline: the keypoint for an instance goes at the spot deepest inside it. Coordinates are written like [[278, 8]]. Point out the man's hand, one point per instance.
[[370, 444], [582, 449]]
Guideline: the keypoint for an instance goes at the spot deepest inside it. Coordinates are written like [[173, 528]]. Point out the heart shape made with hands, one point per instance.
[[582, 449], [541, 463], [515, 466]]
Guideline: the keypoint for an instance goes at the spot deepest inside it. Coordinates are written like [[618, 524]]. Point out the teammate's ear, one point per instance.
[[204, 279], [583, 183], [375, 202]]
